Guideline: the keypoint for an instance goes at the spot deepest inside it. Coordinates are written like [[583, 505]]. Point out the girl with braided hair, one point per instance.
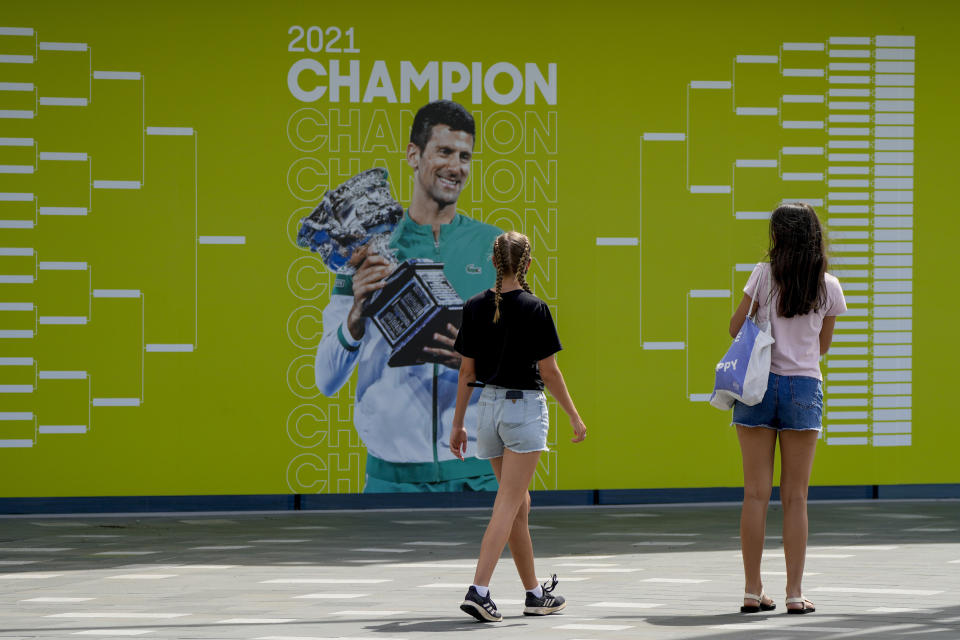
[[509, 343], [803, 304]]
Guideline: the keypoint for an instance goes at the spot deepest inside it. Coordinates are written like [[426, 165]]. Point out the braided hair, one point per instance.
[[498, 260], [798, 259], [511, 255]]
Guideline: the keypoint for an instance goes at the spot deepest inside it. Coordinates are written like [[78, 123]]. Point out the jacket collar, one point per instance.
[[408, 226]]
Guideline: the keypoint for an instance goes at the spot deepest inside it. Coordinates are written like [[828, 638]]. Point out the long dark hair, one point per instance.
[[798, 259]]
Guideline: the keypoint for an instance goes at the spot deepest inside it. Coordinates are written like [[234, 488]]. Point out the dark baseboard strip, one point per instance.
[[918, 491], [573, 498], [146, 504]]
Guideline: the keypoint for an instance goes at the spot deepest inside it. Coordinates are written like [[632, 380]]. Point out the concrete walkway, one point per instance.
[[875, 570]]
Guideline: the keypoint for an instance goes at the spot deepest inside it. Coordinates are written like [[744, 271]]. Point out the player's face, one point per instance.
[[443, 166]]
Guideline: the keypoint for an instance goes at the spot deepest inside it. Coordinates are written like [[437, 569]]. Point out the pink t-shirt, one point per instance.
[[796, 351]]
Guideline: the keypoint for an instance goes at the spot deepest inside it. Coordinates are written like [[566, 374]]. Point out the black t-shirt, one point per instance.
[[507, 352]]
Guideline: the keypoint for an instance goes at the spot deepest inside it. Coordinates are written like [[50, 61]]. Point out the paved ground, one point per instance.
[[875, 570]]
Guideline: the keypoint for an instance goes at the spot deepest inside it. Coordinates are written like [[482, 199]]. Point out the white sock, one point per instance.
[[483, 591], [536, 593]]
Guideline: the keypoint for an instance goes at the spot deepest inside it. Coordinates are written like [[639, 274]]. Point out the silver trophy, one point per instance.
[[360, 212], [417, 300]]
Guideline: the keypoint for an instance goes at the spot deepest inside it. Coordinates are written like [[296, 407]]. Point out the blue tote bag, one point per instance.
[[743, 372]]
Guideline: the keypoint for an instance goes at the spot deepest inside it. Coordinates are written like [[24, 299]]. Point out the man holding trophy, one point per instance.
[[395, 308]]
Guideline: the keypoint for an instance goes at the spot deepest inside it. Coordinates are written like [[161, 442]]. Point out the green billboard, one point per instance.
[[162, 333]]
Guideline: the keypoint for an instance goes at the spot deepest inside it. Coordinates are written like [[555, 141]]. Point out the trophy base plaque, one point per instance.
[[416, 302]]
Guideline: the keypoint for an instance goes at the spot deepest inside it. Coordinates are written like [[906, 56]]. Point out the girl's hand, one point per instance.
[[579, 429], [458, 441]]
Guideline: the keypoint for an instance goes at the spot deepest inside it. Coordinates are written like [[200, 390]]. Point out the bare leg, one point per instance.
[[521, 546], [796, 461], [516, 471], [757, 446]]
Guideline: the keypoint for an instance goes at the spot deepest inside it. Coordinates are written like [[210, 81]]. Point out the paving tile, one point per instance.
[[877, 569]]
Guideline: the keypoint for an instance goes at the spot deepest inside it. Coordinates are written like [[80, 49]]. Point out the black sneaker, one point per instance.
[[481, 607], [545, 604]]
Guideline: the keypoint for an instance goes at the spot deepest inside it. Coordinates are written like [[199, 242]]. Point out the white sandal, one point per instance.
[[804, 609], [758, 607]]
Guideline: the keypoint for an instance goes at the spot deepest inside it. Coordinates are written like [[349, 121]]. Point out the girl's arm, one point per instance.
[[553, 380], [458, 435], [826, 333], [740, 315]]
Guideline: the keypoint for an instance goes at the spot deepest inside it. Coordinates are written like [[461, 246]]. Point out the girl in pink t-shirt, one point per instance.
[[803, 304]]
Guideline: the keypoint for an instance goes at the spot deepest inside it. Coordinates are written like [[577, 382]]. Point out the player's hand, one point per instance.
[[372, 270], [443, 351], [579, 429], [458, 441]]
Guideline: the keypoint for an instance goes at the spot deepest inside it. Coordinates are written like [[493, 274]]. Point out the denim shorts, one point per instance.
[[791, 403], [520, 425]]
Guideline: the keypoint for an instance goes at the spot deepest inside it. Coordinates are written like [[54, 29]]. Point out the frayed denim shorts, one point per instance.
[[792, 403], [520, 425]]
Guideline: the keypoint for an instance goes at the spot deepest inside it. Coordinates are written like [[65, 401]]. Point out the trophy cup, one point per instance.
[[417, 300], [359, 212]]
